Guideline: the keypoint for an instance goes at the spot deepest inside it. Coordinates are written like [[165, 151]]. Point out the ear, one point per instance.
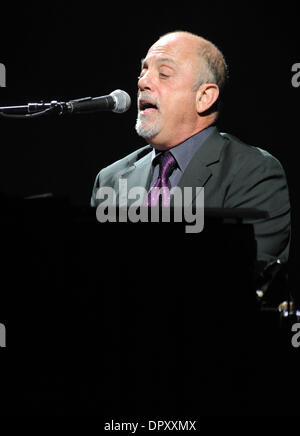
[[206, 96]]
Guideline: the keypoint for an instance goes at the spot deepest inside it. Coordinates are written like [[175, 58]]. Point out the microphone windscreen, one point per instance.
[[122, 101]]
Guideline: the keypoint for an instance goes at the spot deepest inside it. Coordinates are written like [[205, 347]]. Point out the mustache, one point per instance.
[[146, 97]]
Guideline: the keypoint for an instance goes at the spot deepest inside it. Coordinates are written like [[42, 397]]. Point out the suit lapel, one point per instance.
[[138, 174], [198, 171], [195, 175]]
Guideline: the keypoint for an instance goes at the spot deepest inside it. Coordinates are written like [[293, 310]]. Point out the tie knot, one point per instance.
[[167, 163]]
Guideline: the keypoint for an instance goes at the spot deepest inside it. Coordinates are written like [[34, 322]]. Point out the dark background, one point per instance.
[[58, 51], [61, 51]]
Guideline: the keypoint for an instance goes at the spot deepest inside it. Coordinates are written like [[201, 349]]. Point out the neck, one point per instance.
[[173, 142]]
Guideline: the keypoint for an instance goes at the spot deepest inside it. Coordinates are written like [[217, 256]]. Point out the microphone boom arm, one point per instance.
[[117, 101], [33, 110]]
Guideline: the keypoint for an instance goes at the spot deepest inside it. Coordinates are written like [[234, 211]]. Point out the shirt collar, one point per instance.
[[184, 152]]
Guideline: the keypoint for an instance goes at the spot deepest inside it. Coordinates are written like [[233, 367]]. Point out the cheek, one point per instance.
[[180, 109]]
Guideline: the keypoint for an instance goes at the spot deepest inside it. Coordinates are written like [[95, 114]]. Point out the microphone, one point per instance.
[[117, 101]]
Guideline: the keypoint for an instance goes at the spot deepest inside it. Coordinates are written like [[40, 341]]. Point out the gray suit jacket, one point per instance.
[[234, 175]]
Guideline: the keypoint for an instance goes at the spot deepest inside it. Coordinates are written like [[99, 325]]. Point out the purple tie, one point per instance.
[[167, 164]]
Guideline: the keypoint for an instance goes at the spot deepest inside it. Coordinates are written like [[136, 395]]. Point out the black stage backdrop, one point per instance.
[[58, 52], [61, 51]]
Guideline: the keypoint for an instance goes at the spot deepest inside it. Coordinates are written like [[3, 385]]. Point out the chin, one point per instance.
[[146, 130]]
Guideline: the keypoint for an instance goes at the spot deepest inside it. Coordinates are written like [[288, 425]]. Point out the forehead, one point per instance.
[[172, 49]]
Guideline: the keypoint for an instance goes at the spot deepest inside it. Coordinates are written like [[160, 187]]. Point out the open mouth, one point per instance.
[[147, 107]]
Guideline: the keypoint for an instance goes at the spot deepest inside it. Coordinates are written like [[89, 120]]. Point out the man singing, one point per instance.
[[179, 90]]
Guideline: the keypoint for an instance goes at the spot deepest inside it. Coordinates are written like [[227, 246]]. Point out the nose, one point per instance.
[[145, 81]]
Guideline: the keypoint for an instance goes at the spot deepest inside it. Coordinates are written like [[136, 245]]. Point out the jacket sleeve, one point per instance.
[[261, 183]]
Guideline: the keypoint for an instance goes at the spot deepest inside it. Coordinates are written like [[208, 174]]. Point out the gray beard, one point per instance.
[[147, 130]]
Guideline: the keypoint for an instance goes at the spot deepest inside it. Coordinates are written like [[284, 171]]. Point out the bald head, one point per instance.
[[210, 64]]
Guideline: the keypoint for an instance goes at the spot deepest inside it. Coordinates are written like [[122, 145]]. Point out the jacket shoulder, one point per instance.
[[108, 175], [126, 161], [118, 166], [249, 155]]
